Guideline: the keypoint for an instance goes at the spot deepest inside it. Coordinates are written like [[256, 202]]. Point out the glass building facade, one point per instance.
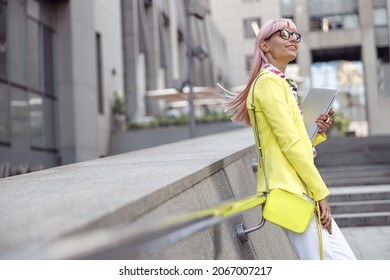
[[27, 81], [62, 62]]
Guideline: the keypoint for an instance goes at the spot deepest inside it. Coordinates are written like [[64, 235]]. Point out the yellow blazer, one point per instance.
[[287, 149]]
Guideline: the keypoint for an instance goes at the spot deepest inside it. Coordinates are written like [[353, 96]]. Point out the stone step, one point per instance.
[[351, 143], [356, 171], [341, 159], [360, 206], [361, 175], [336, 148], [358, 146], [353, 168], [353, 151], [359, 193], [362, 219], [357, 181], [351, 175]]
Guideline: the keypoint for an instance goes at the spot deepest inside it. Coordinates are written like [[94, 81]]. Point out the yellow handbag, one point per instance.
[[288, 210], [285, 209]]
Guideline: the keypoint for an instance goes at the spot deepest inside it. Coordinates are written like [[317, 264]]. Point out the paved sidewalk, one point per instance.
[[369, 243]]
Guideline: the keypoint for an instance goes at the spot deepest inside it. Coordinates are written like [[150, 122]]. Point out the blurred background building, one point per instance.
[[345, 45], [60, 63], [64, 64], [156, 51], [69, 69]]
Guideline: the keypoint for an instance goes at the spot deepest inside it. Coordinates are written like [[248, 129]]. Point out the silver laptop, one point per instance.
[[318, 101]]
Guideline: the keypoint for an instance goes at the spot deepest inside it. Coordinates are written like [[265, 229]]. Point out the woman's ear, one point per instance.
[[264, 47]]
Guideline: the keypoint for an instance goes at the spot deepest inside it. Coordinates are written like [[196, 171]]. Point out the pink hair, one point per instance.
[[237, 105]]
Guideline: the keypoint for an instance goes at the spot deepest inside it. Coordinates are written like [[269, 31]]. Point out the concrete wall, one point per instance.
[[137, 139], [109, 25], [135, 189], [84, 131]]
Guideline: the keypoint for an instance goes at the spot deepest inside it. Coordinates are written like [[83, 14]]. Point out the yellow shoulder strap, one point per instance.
[[319, 228]]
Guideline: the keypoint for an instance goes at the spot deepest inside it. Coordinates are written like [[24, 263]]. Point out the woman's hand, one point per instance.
[[325, 121], [326, 214]]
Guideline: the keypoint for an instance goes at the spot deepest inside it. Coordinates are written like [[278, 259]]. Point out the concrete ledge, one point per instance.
[[136, 188], [136, 139]]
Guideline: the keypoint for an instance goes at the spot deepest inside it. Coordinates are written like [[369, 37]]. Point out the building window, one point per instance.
[[328, 15], [3, 40], [35, 104], [4, 89], [346, 53], [4, 114], [383, 54], [42, 122], [348, 78], [33, 55], [287, 8], [39, 91], [328, 23], [19, 117], [248, 62], [251, 27], [48, 61], [380, 16], [50, 124], [99, 71], [163, 29], [40, 55]]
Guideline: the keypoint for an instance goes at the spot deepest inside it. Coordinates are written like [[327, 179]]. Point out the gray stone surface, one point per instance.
[[354, 151], [136, 139], [101, 200], [361, 205], [358, 172], [358, 193], [138, 189], [243, 182], [369, 243]]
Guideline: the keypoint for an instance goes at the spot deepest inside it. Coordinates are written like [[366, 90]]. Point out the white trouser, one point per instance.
[[306, 245]]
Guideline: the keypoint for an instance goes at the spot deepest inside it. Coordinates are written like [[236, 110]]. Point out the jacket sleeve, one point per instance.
[[272, 98], [319, 138]]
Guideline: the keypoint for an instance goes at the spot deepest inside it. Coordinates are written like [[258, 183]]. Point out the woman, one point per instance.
[[288, 152]]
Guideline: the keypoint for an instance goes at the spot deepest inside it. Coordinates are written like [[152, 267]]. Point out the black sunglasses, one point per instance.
[[286, 35]]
